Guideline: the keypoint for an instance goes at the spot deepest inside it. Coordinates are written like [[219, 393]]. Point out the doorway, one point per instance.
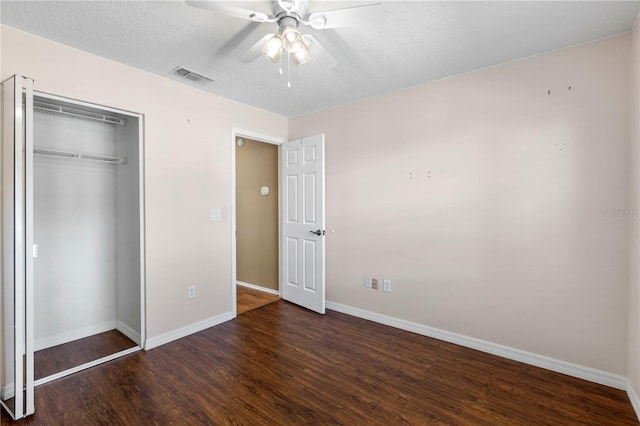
[[257, 279], [301, 219], [87, 234], [73, 239]]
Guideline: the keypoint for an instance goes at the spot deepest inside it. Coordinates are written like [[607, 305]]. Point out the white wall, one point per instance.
[[634, 234], [187, 169], [491, 205], [75, 228]]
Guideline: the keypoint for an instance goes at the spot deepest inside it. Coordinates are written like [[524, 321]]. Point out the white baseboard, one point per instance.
[[129, 332], [70, 336], [7, 391], [633, 397], [187, 330], [259, 288], [575, 370]]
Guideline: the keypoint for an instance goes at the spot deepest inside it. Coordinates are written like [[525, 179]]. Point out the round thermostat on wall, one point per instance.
[[264, 190]]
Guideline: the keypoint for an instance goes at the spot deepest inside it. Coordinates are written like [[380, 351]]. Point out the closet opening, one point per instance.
[[88, 229]]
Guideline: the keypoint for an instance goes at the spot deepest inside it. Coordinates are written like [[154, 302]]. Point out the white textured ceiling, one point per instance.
[[398, 43]]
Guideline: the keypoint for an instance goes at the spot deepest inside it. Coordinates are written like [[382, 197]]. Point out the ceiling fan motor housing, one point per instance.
[[288, 21]]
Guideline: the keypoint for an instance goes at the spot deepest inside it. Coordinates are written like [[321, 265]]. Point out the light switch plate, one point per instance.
[[215, 215]]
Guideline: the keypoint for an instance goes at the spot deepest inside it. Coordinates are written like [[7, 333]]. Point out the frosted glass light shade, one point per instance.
[[302, 55], [273, 48], [291, 39]]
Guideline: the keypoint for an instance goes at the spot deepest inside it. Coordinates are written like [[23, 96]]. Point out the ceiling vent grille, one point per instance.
[[191, 75]]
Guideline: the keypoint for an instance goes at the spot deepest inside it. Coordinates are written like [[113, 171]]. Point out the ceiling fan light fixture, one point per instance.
[[291, 39], [273, 48], [302, 55]]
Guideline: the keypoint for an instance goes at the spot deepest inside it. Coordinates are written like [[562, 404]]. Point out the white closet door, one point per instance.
[[16, 356]]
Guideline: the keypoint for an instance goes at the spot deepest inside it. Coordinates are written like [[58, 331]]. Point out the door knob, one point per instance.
[[318, 232]]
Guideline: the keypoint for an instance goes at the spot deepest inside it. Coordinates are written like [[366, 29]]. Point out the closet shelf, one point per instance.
[[79, 156], [46, 108]]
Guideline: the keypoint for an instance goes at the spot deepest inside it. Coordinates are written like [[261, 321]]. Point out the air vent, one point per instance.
[[191, 75]]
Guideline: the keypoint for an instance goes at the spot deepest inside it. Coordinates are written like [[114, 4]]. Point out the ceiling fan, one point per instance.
[[288, 15]]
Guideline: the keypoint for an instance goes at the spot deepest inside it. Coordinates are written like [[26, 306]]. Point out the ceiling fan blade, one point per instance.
[[249, 32], [319, 54], [337, 18], [230, 10], [255, 51]]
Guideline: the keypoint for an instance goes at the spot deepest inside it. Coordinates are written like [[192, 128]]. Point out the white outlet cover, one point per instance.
[[386, 286]]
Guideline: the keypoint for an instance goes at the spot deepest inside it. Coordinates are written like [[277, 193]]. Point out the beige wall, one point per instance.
[[188, 169], [634, 252], [256, 214], [490, 204]]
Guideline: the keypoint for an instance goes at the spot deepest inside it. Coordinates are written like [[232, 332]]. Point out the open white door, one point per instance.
[[302, 232]]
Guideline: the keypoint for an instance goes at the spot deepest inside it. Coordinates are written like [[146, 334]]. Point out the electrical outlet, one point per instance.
[[374, 283], [367, 282], [386, 286], [191, 292]]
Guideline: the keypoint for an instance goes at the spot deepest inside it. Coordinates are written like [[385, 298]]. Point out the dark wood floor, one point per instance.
[[284, 365], [72, 354], [248, 299]]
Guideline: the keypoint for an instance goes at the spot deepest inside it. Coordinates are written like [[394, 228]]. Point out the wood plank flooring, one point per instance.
[[284, 365], [248, 299], [72, 354]]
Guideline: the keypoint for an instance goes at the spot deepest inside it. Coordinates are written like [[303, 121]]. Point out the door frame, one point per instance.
[[241, 133]]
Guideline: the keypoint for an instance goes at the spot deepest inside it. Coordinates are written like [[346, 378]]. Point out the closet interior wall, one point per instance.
[[87, 230], [128, 263]]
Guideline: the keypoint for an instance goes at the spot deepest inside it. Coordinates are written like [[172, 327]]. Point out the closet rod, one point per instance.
[[80, 156], [46, 108]]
